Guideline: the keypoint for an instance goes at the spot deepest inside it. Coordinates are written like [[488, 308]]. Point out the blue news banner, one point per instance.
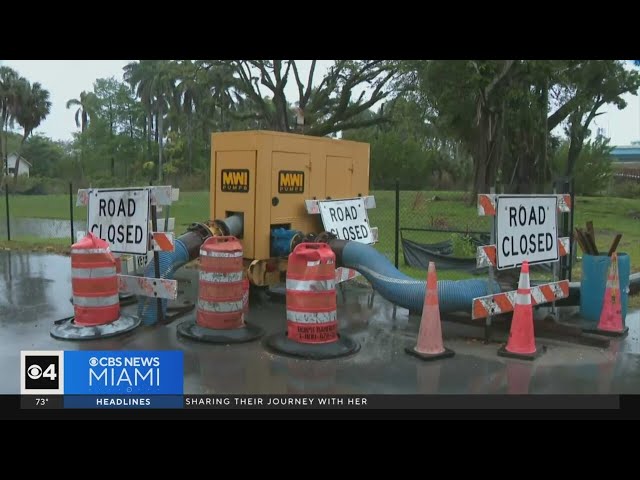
[[103, 379], [155, 379]]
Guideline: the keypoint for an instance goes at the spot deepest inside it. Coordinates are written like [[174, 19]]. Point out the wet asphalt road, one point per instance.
[[35, 289]]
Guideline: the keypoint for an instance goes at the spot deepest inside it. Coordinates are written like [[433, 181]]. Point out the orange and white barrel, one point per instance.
[[245, 295], [221, 286], [118, 260], [94, 282], [311, 294]]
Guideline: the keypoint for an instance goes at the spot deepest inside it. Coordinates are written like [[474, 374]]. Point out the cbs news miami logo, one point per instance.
[[101, 372]]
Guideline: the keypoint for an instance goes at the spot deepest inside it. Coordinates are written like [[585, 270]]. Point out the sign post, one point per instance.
[[489, 320], [156, 261]]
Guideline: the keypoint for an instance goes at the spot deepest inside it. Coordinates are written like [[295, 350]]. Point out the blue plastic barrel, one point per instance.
[[595, 269]]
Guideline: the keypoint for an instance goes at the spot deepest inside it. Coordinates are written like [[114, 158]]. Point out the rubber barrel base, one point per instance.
[[191, 330], [68, 330], [280, 343]]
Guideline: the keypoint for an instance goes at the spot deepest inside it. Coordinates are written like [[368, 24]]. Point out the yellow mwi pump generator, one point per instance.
[[260, 181]]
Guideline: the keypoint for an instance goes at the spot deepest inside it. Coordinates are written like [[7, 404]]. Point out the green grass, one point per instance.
[[611, 216], [42, 206], [37, 244], [192, 206], [418, 209], [451, 210]]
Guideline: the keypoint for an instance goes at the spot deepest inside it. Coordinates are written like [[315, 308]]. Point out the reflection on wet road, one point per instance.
[[35, 290]]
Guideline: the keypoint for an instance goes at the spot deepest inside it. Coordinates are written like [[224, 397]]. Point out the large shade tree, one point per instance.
[[323, 104], [502, 111]]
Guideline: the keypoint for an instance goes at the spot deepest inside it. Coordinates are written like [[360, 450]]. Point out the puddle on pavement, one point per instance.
[[38, 227]]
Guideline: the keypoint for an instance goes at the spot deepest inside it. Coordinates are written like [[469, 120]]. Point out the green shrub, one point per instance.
[[197, 182], [627, 190], [36, 185], [463, 247], [593, 168]]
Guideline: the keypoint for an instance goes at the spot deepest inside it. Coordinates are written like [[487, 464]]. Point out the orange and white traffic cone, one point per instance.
[[522, 341], [430, 345], [611, 323]]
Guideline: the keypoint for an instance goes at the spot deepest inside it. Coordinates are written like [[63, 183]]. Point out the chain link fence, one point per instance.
[[39, 219], [414, 226], [418, 226]]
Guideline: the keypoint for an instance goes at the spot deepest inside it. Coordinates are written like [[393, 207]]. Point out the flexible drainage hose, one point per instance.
[[186, 248], [402, 290]]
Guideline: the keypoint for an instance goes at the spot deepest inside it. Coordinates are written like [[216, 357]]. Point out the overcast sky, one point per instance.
[[65, 79]]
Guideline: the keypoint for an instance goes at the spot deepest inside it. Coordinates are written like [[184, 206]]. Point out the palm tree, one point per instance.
[[86, 109], [32, 108], [140, 75], [163, 88], [8, 93], [189, 92], [154, 82], [223, 91]]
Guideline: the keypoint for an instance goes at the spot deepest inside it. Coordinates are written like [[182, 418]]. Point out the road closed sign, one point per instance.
[[526, 229], [121, 217], [347, 219]]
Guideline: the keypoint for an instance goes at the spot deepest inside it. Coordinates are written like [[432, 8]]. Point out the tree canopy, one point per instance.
[[466, 124]]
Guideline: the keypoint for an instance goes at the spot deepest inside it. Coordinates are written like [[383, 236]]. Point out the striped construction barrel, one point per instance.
[[94, 282], [312, 323], [311, 294], [245, 295], [118, 261], [221, 286]]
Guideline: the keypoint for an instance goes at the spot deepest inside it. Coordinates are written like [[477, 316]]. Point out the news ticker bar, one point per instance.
[[319, 402]]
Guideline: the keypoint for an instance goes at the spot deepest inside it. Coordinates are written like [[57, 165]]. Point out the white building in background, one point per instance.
[[23, 166]]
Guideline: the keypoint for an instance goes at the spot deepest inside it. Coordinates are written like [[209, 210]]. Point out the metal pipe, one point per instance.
[[572, 244], [194, 237], [233, 225], [156, 261]]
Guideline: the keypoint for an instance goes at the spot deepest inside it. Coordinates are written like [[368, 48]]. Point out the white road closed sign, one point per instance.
[[121, 217], [526, 229], [347, 219]]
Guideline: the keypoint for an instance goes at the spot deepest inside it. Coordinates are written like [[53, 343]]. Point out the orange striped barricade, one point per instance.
[[96, 304], [312, 323], [220, 316], [126, 298]]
